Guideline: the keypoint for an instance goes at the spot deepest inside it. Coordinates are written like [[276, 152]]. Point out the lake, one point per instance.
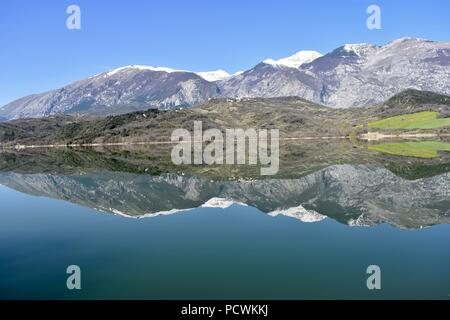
[[138, 228]]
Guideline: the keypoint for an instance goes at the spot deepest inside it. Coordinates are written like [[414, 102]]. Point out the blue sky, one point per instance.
[[39, 53]]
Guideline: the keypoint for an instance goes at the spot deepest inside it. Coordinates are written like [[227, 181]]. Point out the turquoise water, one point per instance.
[[210, 253]]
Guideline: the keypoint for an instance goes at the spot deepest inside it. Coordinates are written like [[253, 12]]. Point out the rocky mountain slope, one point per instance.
[[353, 75], [118, 91]]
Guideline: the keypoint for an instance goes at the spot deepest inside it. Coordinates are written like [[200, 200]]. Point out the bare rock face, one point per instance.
[[357, 75], [267, 81]]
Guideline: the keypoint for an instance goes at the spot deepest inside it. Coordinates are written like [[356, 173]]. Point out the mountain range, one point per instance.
[[352, 75]]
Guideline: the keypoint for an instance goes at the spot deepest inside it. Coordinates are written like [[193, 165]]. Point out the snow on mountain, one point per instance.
[[295, 60], [140, 67], [405, 39], [359, 49], [207, 75], [214, 75]]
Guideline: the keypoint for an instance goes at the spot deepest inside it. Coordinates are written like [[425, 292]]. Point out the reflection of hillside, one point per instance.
[[351, 194], [417, 149], [297, 159]]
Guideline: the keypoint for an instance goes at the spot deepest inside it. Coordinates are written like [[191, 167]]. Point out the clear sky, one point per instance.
[[39, 53]]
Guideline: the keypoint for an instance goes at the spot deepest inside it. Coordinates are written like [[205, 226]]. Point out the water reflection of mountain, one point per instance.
[[350, 194]]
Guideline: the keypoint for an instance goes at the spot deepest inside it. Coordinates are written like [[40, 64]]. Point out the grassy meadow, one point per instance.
[[419, 120]]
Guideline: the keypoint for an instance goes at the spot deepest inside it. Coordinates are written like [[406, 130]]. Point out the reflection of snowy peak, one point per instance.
[[299, 213], [355, 195], [220, 203]]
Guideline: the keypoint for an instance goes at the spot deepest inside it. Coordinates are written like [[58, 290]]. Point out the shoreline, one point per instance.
[[370, 136], [376, 136], [118, 144]]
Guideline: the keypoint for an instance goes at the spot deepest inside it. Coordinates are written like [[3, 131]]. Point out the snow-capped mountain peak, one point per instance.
[[359, 48], [295, 60], [214, 75], [208, 75], [406, 39], [141, 67]]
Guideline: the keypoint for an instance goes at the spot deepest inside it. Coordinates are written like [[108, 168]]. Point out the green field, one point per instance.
[[422, 149], [419, 120]]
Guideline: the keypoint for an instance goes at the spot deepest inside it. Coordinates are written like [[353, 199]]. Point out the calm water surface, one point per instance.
[[233, 253], [139, 228]]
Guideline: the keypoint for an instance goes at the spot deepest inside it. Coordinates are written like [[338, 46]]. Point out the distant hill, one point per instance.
[[415, 100], [293, 116]]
